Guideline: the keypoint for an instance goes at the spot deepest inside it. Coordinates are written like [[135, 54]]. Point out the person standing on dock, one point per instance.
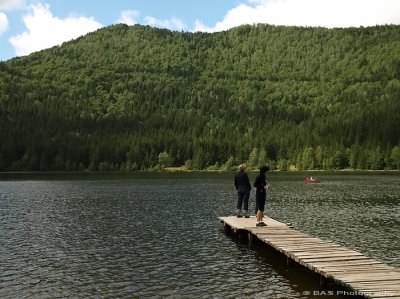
[[261, 194], [243, 187]]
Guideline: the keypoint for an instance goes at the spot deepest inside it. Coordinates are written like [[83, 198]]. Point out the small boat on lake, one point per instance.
[[310, 179]]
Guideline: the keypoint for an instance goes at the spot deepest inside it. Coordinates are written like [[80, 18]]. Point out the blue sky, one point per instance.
[[31, 25]]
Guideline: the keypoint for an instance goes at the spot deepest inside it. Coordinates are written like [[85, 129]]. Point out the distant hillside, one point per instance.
[[139, 98]]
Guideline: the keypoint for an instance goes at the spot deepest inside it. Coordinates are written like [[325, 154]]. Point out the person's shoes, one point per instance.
[[261, 224], [239, 216], [247, 216]]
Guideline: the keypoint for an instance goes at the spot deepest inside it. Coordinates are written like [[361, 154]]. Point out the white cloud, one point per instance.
[[256, 1], [199, 26], [3, 23], [12, 4], [129, 17], [172, 23], [326, 13], [44, 30]]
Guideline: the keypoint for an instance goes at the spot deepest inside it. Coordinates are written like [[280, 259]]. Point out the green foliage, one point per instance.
[[133, 98], [188, 164], [252, 162], [165, 160], [229, 165]]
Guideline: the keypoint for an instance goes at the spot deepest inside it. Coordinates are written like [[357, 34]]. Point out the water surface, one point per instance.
[[157, 235]]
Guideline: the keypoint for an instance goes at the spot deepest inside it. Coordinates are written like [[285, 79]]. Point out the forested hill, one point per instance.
[[140, 98]]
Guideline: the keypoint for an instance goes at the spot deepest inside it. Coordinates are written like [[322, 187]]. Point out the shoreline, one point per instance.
[[179, 174], [177, 169]]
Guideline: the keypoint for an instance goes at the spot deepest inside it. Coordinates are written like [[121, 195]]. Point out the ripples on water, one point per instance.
[[359, 212], [161, 237]]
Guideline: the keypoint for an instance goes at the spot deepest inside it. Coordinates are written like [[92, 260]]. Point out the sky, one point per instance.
[[27, 26]]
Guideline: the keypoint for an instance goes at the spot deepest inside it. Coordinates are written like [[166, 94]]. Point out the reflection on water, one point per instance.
[[159, 236]]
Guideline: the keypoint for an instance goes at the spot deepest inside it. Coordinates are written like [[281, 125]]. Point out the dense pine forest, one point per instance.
[[133, 98]]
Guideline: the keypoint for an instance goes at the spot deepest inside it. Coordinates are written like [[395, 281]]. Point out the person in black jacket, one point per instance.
[[261, 194], [243, 187]]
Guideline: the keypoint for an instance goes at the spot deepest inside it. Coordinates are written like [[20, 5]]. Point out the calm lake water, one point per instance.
[[158, 234]]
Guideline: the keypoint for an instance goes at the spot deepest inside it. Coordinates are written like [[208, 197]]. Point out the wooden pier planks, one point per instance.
[[346, 267]]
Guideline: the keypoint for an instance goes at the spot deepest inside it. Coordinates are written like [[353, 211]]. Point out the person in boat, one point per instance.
[[261, 194], [243, 187]]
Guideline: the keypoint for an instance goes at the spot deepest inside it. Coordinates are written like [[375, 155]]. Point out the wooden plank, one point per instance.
[[349, 269], [287, 238], [281, 237], [250, 222], [297, 243], [326, 254], [315, 245], [281, 227], [352, 269], [309, 248], [373, 287], [317, 254], [332, 253], [291, 242], [335, 259], [313, 248], [275, 230], [281, 233], [345, 266], [369, 277], [271, 228], [374, 281], [388, 273], [356, 262], [334, 271], [284, 245], [316, 265], [381, 294]]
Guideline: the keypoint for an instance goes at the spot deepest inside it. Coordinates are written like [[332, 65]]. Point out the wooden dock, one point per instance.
[[367, 277]]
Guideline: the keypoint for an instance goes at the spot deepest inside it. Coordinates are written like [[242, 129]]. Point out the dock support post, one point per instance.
[[288, 262], [226, 229], [322, 282], [240, 235], [249, 239]]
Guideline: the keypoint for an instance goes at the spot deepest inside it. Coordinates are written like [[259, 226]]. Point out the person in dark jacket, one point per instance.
[[243, 187], [261, 194]]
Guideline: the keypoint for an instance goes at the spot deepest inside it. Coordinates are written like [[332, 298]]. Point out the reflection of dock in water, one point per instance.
[[368, 277]]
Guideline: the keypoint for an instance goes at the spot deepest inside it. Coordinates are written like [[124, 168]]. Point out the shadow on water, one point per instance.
[[303, 281]]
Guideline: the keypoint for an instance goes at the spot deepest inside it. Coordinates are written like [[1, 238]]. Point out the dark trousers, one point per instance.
[[243, 198], [260, 200]]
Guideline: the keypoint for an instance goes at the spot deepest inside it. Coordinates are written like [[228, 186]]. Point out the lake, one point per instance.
[[157, 234]]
